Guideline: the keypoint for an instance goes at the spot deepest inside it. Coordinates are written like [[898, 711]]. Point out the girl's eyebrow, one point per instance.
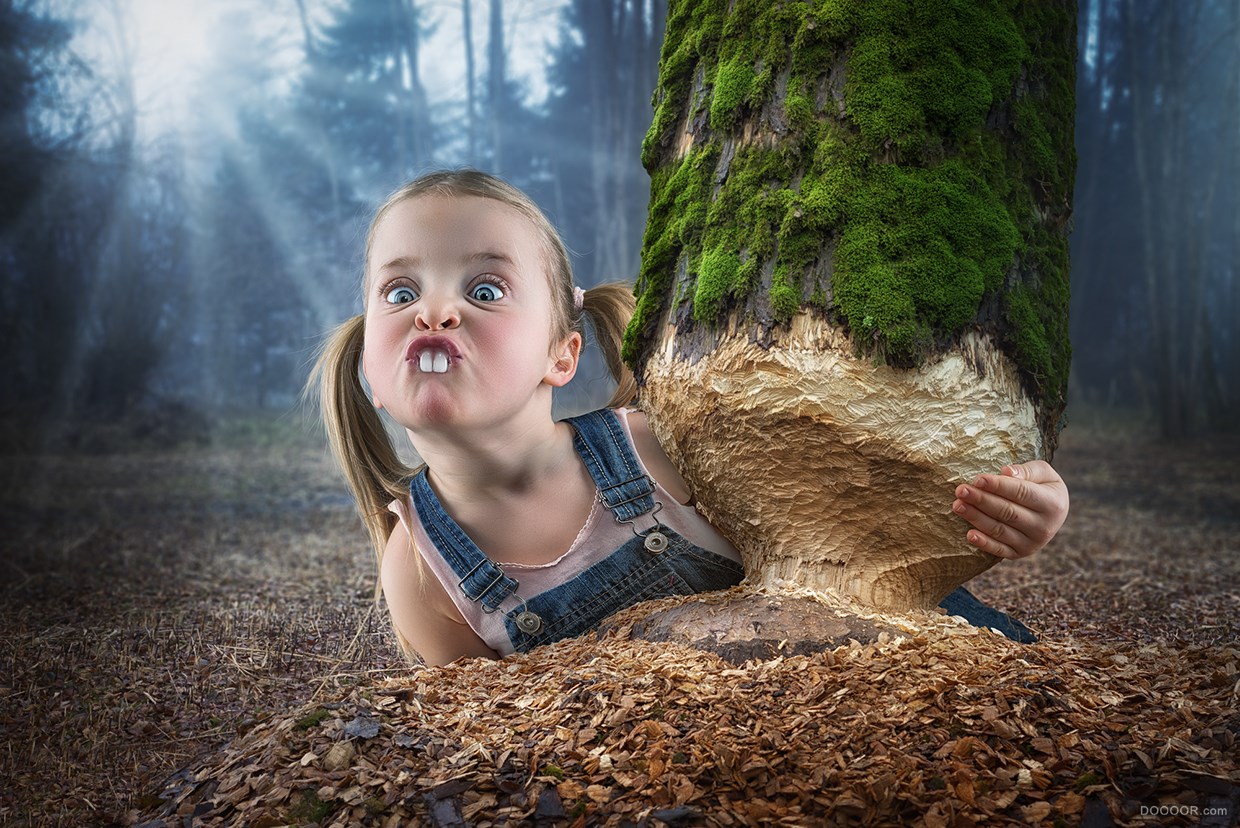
[[470, 258]]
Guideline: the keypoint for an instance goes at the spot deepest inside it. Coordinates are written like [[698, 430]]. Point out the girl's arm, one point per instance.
[[438, 637], [1015, 513], [655, 459]]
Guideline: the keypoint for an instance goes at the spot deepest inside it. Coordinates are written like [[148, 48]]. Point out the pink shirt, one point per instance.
[[600, 536]]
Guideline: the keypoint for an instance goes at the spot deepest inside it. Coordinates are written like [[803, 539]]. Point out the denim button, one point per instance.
[[528, 622], [655, 541]]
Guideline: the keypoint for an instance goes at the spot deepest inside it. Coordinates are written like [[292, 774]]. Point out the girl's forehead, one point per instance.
[[435, 220], [449, 228]]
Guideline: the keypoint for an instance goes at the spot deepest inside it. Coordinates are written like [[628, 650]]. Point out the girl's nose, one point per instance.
[[437, 314]]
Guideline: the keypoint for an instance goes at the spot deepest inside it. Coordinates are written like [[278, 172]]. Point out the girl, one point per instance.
[[502, 540]]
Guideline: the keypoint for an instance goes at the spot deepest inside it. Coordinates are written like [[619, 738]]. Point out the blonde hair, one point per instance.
[[359, 442]]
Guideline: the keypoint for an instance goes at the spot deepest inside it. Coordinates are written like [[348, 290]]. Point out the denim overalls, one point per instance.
[[655, 563]]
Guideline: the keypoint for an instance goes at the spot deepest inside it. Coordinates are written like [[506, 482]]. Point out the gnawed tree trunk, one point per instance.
[[854, 284]]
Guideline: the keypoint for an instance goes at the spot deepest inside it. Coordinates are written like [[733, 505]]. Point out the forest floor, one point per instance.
[[158, 604]]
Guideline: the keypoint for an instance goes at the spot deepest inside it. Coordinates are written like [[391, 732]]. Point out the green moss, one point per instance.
[[1033, 132], [677, 63], [311, 719], [935, 186], [1046, 128], [785, 296], [309, 808], [927, 72], [732, 83], [1037, 315], [921, 248], [717, 277], [799, 109], [1085, 780], [679, 200], [1031, 337], [818, 298]]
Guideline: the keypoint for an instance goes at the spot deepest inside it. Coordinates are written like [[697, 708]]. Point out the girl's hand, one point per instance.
[[1015, 513]]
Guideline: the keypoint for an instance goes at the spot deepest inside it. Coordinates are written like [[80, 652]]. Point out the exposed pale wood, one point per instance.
[[834, 472]]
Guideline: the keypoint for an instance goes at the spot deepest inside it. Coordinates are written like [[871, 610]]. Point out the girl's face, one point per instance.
[[470, 270]]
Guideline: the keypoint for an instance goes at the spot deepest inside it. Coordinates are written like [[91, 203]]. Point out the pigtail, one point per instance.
[[610, 306], [360, 445], [359, 442]]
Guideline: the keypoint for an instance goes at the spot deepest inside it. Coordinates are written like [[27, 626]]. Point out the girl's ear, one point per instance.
[[566, 359]]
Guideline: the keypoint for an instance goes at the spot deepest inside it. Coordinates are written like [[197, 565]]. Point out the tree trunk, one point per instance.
[[321, 141], [495, 84], [854, 280], [471, 115], [606, 24], [415, 93], [1231, 396]]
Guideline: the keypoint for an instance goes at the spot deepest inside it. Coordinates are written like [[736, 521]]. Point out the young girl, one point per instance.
[[520, 530]]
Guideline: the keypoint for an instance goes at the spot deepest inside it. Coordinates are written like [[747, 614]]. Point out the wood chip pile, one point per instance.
[[951, 725]]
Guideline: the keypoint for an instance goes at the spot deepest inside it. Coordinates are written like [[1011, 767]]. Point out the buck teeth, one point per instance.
[[433, 361]]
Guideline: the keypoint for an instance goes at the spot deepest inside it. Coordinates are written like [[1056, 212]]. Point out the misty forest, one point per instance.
[[190, 262], [190, 604]]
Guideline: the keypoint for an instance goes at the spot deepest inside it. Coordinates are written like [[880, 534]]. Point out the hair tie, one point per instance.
[[579, 297]]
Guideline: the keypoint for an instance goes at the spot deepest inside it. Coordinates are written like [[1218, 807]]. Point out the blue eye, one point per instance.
[[400, 295], [494, 292]]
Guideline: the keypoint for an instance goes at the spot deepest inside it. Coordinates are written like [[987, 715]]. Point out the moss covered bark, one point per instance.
[[904, 167]]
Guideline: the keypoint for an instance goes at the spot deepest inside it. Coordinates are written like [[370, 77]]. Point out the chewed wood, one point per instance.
[[829, 471]]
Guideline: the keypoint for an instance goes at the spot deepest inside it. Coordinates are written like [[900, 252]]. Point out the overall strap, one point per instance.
[[481, 579], [600, 441]]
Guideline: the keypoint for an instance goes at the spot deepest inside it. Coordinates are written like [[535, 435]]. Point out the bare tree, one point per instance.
[[471, 109], [497, 94], [320, 132], [1168, 49]]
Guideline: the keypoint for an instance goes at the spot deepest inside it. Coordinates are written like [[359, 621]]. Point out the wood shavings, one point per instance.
[[956, 729]]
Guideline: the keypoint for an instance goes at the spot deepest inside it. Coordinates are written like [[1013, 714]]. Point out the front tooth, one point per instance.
[[425, 360], [441, 362]]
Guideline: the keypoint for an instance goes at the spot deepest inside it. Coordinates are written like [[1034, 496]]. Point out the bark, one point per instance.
[[820, 409]]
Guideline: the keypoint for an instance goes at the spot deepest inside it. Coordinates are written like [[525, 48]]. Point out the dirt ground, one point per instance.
[[158, 604]]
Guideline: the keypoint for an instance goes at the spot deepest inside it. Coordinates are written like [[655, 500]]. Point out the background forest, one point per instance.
[[184, 188]]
